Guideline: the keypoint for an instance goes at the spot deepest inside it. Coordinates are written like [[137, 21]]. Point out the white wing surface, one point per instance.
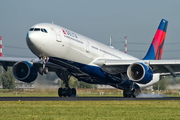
[[157, 66]]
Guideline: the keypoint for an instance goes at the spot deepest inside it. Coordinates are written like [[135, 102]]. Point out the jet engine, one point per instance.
[[25, 71], [140, 73]]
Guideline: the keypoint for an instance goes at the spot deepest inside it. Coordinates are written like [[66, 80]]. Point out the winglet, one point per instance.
[[157, 45]]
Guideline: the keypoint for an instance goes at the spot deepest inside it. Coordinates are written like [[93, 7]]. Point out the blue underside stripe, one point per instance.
[[89, 69], [96, 72]]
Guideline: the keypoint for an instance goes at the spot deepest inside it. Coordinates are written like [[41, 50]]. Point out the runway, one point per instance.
[[80, 98]]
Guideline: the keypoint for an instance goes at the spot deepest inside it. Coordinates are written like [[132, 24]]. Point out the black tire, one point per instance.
[[136, 92], [129, 94], [60, 90], [125, 93], [45, 70], [69, 92], [73, 92], [133, 94], [41, 70]]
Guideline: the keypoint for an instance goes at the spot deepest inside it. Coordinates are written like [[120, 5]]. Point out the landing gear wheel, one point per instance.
[[45, 70], [129, 93], [60, 93], [137, 92], [66, 92], [73, 92], [41, 70], [69, 92], [125, 93]]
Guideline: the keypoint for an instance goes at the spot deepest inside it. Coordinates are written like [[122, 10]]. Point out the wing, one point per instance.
[[164, 67], [10, 61], [54, 65]]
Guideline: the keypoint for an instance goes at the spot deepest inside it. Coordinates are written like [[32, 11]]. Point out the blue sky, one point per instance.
[[97, 19]]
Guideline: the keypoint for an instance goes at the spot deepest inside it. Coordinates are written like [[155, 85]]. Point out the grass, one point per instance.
[[53, 93], [85, 110], [90, 110], [80, 92]]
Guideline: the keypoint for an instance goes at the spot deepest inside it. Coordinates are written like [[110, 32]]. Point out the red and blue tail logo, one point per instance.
[[156, 48]]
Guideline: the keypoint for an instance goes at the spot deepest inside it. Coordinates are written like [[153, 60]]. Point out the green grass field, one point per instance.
[[90, 110], [86, 110], [80, 92], [53, 92]]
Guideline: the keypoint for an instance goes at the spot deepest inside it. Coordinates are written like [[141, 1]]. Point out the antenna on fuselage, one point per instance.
[[126, 44], [110, 40]]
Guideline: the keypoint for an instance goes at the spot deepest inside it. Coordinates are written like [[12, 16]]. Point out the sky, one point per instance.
[[96, 19]]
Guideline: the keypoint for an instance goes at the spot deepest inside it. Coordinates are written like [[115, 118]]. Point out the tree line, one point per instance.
[[9, 82]]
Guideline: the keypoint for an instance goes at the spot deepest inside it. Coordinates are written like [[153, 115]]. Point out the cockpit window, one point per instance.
[[43, 30], [38, 29], [31, 29]]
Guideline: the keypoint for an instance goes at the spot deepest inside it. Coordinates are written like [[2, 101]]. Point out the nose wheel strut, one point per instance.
[[43, 68]]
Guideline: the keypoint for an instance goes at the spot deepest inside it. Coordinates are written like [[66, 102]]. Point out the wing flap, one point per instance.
[[108, 62]]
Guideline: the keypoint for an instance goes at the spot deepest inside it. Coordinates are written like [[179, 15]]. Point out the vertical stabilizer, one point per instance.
[[157, 45], [1, 46]]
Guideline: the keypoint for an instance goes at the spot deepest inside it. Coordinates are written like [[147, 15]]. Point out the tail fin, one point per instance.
[[157, 45]]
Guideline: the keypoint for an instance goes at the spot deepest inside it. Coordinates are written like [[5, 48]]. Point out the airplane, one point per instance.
[[68, 53]]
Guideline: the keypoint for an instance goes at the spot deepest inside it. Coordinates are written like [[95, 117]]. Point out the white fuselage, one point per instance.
[[63, 43], [50, 40]]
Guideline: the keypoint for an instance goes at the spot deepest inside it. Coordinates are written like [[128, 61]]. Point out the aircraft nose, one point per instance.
[[31, 38]]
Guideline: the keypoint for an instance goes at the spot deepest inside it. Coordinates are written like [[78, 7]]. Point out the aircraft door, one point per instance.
[[87, 45], [58, 35]]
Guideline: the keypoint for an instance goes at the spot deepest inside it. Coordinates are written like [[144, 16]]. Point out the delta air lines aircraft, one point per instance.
[[68, 53]]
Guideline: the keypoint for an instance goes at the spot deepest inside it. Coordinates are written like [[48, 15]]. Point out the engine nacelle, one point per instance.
[[140, 73], [25, 71]]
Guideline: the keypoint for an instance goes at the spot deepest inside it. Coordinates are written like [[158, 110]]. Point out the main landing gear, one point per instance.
[[67, 91], [131, 92]]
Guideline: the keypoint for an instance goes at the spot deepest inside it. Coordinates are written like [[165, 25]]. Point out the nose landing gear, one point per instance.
[[43, 68]]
